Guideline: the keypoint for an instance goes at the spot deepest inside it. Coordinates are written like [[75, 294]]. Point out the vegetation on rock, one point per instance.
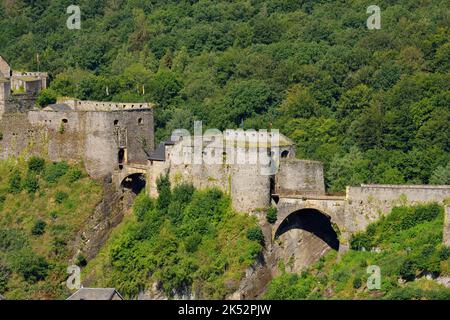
[[406, 245]]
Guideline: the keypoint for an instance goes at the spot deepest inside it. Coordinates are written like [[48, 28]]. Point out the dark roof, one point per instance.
[[159, 154], [58, 107], [95, 294], [169, 142]]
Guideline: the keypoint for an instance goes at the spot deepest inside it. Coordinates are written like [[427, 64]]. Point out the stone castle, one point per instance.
[[115, 142]]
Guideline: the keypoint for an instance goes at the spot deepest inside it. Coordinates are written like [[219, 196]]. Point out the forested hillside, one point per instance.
[[372, 104]]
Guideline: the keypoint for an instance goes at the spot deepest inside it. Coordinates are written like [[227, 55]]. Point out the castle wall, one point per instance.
[[91, 137], [299, 177], [447, 227], [368, 203], [5, 91], [19, 138], [5, 70]]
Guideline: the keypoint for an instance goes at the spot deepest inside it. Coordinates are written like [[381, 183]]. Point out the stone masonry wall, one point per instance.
[[367, 203], [299, 177], [90, 137]]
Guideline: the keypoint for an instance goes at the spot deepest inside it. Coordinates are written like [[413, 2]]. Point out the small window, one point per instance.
[[116, 122], [140, 121], [65, 121]]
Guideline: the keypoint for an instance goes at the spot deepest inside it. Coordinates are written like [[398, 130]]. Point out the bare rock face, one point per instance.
[[299, 249], [107, 215]]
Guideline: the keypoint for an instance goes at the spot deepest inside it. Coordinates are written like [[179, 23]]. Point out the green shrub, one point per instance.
[[81, 261], [15, 182], [357, 283], [36, 164], [60, 197], [183, 193], [74, 175], [31, 183], [165, 194], [31, 266], [55, 171], [256, 234], [192, 242], [38, 228], [444, 253], [46, 97], [12, 239], [408, 270], [271, 215], [142, 205]]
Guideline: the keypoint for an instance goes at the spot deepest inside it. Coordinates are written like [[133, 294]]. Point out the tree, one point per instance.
[[46, 97]]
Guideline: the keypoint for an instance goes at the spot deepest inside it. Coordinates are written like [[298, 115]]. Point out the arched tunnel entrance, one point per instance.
[[134, 182], [303, 237]]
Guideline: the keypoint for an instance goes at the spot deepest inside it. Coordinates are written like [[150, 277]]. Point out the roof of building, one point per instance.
[[95, 294], [159, 154]]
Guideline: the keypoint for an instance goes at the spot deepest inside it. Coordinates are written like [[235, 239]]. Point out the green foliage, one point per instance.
[[15, 182], [256, 234], [31, 266], [31, 183], [409, 246], [400, 219], [192, 242], [46, 97], [81, 261], [357, 283], [55, 171], [142, 205], [329, 83], [36, 233], [60, 197], [271, 216], [38, 228], [165, 194], [74, 174], [36, 164]]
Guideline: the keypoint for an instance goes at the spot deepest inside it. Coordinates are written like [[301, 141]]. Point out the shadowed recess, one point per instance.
[[312, 221], [134, 182]]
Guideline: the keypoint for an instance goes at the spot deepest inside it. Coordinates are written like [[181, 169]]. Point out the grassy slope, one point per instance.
[[63, 221], [409, 244]]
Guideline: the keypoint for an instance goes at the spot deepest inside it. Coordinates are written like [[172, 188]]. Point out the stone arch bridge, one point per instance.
[[354, 211]]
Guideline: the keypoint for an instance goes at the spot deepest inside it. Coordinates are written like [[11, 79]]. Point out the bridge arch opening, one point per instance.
[[134, 182], [312, 221]]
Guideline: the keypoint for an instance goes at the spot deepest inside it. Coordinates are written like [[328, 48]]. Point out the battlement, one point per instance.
[[78, 105]]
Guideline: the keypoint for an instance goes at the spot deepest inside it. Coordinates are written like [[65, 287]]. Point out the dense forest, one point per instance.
[[373, 105]]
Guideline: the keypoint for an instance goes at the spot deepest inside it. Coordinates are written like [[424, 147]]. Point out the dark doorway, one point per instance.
[[121, 158], [313, 221], [285, 154], [134, 182]]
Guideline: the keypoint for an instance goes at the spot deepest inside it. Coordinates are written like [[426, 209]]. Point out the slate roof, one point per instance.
[[159, 154], [95, 294]]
